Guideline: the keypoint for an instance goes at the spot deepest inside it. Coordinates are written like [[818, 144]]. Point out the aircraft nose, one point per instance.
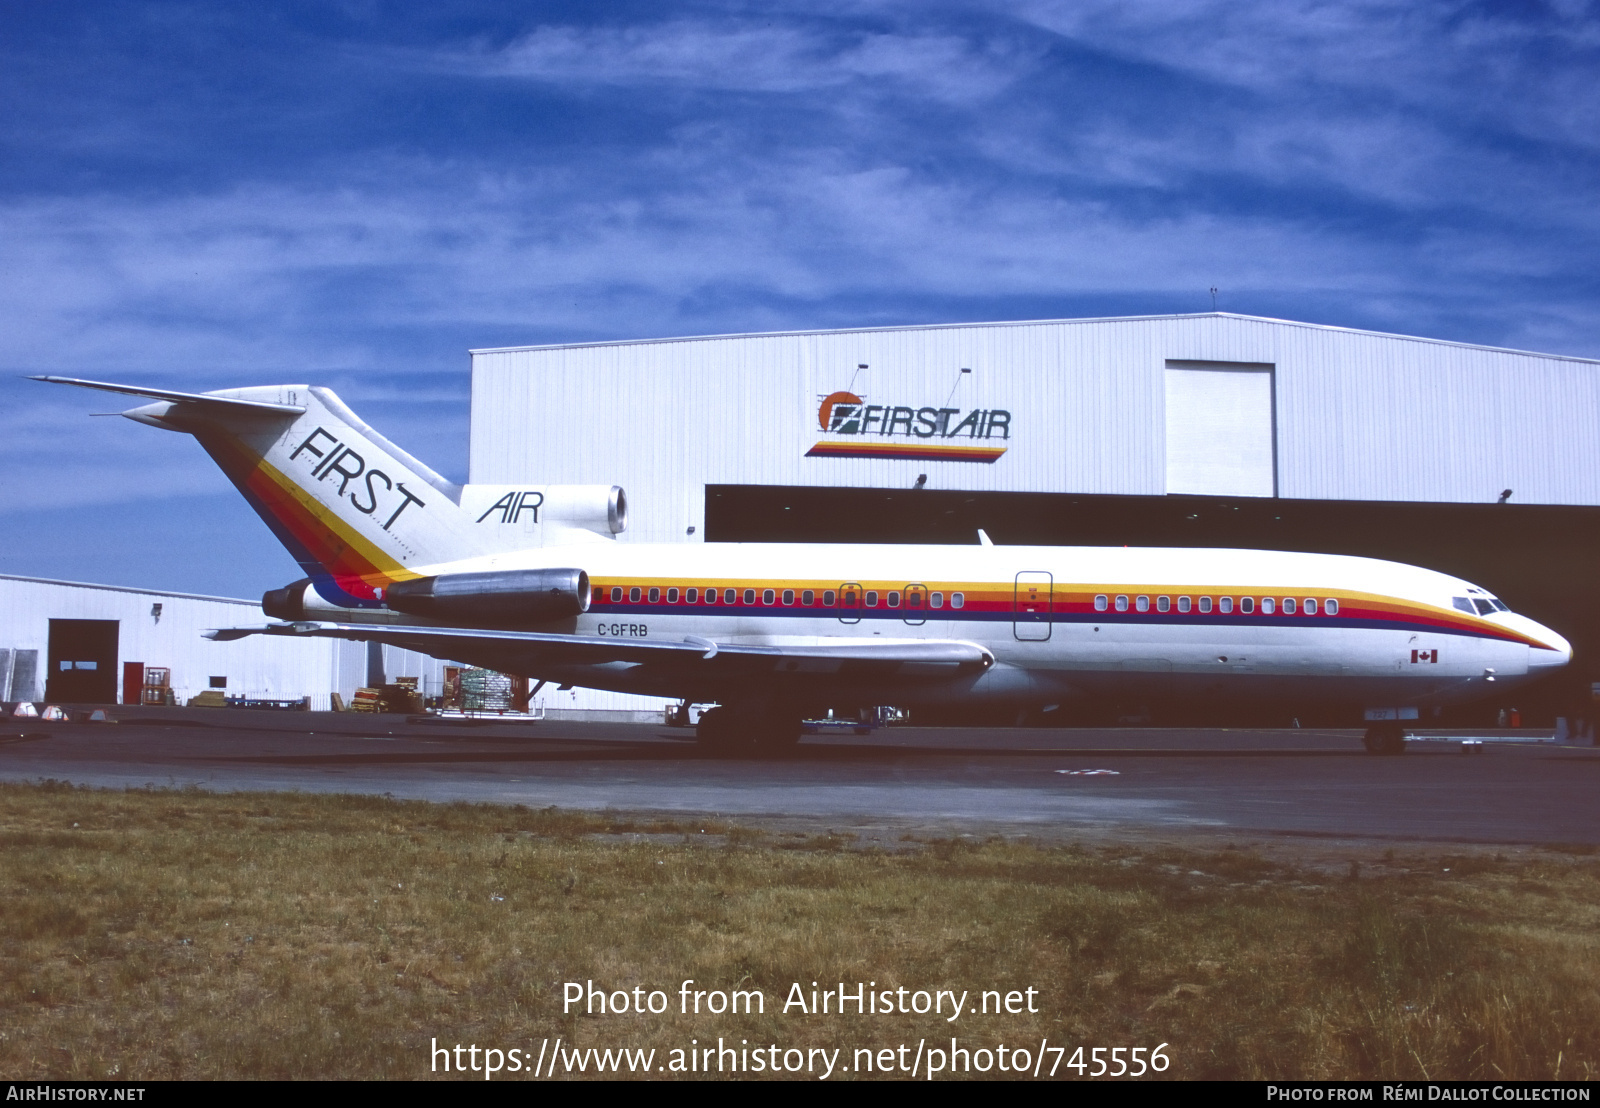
[[1552, 649]]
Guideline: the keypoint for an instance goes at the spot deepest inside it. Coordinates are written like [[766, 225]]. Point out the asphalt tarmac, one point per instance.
[[1049, 783]]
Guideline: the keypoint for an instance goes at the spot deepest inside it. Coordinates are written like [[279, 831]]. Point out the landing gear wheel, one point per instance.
[[1385, 739], [737, 730], [718, 732]]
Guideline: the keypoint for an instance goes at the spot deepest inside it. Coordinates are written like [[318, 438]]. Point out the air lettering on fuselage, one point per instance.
[[513, 504], [338, 459]]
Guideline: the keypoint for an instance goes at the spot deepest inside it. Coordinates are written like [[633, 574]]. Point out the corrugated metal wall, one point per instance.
[[1359, 415], [269, 668]]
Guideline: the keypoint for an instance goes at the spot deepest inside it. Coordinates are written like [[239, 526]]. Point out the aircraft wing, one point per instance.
[[528, 651]]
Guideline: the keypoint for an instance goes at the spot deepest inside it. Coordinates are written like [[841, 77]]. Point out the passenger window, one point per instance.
[[936, 599], [1142, 604], [788, 597], [634, 594], [913, 597], [1311, 606], [894, 599], [1247, 604], [1100, 603], [827, 598], [807, 598], [1225, 604], [872, 598], [731, 595], [672, 596], [749, 596], [616, 594], [1331, 606], [1288, 605], [655, 596], [691, 596], [767, 596], [1205, 604], [958, 600], [1122, 604], [1183, 603], [1162, 603]]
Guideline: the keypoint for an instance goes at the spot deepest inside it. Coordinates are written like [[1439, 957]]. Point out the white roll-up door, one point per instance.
[[1220, 436]]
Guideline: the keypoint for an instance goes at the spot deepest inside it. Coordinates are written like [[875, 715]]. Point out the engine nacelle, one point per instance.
[[502, 598]]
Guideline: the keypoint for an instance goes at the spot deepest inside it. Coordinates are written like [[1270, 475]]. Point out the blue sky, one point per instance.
[[353, 194]]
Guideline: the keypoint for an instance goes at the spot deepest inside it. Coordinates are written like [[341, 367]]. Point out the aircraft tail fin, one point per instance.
[[357, 512]]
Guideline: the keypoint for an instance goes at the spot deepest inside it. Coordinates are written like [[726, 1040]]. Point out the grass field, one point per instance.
[[154, 934]]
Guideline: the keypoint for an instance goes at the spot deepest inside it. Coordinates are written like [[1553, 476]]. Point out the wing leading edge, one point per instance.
[[530, 649]]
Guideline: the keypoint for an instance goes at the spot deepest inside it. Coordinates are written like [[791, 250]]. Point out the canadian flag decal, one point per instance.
[[1424, 656]]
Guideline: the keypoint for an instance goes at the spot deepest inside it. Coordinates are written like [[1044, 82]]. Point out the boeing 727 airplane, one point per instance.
[[529, 580]]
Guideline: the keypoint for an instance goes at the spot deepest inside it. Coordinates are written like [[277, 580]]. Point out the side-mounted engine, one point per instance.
[[505, 599]]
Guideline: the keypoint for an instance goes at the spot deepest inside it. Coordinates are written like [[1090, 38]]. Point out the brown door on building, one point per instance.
[[83, 662]]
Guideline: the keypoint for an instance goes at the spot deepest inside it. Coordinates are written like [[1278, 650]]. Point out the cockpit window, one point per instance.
[[1484, 607], [1499, 606], [1462, 604]]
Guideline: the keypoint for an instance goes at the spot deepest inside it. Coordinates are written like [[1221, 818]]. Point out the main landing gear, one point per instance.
[[1386, 738], [743, 729]]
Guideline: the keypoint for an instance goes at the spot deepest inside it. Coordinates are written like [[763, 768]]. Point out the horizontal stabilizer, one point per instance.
[[209, 400]]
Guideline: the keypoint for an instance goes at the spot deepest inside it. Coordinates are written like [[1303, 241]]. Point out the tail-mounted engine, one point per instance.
[[504, 599]]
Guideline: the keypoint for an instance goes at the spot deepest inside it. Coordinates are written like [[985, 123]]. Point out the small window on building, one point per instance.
[[788, 598], [1121, 604], [1225, 604], [749, 596], [827, 598], [1311, 606], [1288, 605], [672, 596], [894, 598], [634, 594], [872, 598], [1331, 606], [1205, 604], [1100, 602], [936, 599], [219, 682], [1142, 604], [1247, 604], [655, 596], [958, 600], [1183, 603], [808, 598], [616, 594]]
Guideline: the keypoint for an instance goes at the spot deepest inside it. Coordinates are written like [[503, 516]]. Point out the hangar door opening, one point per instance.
[[1221, 430], [83, 661]]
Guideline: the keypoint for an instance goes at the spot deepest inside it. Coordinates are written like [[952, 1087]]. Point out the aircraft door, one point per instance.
[[916, 605], [849, 602], [1031, 607]]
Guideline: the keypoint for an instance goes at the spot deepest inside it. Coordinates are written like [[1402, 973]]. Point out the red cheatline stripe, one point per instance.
[[906, 450]]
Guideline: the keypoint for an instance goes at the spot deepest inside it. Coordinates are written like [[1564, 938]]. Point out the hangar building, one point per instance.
[[1187, 430]]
